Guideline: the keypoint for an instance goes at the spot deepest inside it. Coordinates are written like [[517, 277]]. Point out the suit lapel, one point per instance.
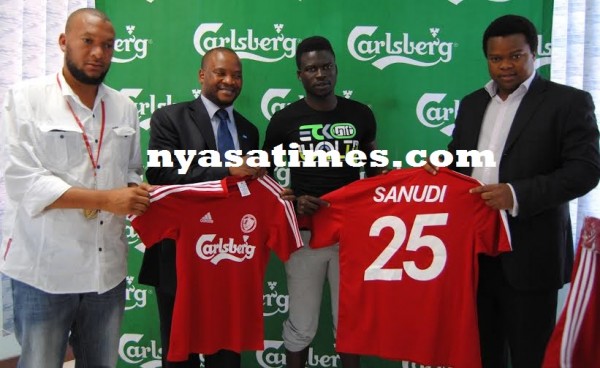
[[531, 101], [478, 111], [200, 117]]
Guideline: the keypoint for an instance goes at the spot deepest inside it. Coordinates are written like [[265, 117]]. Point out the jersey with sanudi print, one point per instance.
[[409, 246]]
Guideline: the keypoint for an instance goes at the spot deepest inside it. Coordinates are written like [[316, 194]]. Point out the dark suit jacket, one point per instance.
[[183, 126], [550, 157]]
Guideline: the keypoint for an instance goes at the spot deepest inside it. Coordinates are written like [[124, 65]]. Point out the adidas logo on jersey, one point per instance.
[[207, 218]]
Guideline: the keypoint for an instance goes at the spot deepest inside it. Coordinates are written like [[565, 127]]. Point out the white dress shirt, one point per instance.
[[497, 122], [44, 154]]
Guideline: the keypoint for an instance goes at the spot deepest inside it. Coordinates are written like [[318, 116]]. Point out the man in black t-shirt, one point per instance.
[[321, 121]]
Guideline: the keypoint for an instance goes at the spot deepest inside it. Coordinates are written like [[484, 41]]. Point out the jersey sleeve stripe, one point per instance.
[[581, 290], [290, 214], [276, 189], [213, 186], [504, 219], [207, 184], [206, 187]]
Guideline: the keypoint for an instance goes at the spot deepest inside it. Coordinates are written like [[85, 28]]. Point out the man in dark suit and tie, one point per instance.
[[544, 137], [206, 123]]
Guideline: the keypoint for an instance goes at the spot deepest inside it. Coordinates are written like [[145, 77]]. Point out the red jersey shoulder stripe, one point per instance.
[[290, 214], [214, 186], [217, 187], [583, 285]]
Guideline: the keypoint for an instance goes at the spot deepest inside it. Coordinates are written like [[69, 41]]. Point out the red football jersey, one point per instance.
[[223, 246], [575, 342], [409, 245]]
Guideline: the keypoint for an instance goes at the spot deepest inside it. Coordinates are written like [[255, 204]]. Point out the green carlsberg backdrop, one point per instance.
[[410, 61]]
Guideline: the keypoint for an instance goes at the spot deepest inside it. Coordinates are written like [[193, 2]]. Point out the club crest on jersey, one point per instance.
[[248, 223], [212, 250]]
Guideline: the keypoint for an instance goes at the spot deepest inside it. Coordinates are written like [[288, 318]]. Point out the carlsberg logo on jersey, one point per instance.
[[248, 45], [433, 112], [131, 48], [215, 251], [132, 351], [274, 302], [385, 49], [274, 357]]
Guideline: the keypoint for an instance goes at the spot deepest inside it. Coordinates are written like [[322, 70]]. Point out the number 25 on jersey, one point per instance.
[[416, 240]]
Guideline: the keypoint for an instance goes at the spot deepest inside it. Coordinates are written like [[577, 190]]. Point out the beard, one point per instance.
[[80, 75]]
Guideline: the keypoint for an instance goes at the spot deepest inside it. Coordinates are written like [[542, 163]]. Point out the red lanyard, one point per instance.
[[84, 135]]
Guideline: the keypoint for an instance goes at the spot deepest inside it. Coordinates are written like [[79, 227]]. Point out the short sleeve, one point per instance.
[[327, 222], [284, 235], [493, 232], [152, 227]]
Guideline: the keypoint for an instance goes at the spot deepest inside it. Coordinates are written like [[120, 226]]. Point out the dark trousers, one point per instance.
[[221, 359], [514, 325]]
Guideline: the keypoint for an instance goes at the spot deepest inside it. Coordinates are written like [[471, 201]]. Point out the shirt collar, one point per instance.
[[212, 108], [66, 89], [492, 88]]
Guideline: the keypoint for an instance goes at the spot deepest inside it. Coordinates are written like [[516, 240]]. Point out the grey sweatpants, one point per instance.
[[306, 272]]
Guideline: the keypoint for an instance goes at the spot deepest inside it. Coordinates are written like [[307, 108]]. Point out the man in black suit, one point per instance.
[[545, 142], [186, 126]]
